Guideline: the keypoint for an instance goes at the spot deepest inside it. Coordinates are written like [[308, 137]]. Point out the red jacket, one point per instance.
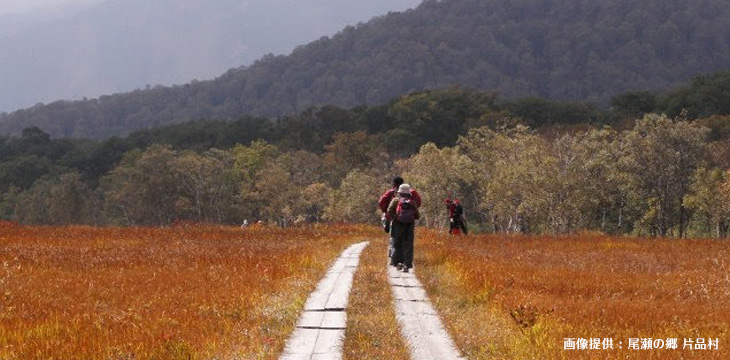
[[387, 196]]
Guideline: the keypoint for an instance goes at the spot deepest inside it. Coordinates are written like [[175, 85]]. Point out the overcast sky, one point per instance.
[[22, 6]]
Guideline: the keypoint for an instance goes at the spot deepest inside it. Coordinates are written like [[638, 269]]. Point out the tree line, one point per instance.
[[662, 176]]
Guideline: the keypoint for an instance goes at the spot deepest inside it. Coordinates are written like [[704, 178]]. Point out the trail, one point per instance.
[[321, 328], [320, 332], [419, 322]]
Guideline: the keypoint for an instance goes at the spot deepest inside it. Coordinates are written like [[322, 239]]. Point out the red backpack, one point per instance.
[[407, 210]]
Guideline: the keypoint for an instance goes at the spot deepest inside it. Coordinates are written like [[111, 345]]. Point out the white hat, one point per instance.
[[404, 189]]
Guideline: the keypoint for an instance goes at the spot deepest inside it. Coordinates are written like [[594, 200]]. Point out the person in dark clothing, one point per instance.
[[457, 220], [383, 204], [403, 211]]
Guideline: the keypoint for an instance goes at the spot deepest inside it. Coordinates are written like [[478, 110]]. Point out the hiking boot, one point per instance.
[[399, 267], [405, 269]]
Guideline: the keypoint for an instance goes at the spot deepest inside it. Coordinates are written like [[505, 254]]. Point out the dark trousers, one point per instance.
[[403, 236], [458, 224]]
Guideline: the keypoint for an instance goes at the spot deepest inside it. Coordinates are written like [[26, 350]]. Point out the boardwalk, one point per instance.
[[321, 328], [420, 325]]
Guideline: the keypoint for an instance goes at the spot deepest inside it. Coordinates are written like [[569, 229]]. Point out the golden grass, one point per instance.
[[520, 297], [207, 292], [372, 329], [187, 292]]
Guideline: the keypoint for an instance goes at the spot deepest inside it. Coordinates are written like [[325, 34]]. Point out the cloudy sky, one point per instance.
[[22, 6]]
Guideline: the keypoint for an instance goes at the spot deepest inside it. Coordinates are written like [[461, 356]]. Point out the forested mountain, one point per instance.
[[120, 45], [569, 50]]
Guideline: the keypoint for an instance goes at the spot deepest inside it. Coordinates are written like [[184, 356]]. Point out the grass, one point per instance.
[[186, 292], [521, 297], [208, 292], [372, 330]]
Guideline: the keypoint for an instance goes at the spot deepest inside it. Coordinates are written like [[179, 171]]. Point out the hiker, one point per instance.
[[457, 220], [403, 210], [383, 203], [388, 195]]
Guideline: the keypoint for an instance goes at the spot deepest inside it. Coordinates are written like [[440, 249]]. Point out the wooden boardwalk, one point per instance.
[[320, 331], [321, 328], [421, 327]]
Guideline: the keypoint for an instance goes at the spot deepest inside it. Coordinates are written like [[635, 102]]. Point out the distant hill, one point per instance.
[[113, 46], [578, 50]]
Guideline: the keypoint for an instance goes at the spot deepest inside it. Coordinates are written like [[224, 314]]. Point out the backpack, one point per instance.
[[458, 211], [405, 213]]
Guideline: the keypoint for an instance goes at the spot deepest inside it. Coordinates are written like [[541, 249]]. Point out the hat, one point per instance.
[[404, 189]]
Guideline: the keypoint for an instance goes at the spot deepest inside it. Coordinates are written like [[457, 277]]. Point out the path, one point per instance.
[[420, 325], [320, 332], [321, 328]]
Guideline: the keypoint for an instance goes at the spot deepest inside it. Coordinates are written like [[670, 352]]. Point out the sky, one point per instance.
[[23, 6], [53, 49]]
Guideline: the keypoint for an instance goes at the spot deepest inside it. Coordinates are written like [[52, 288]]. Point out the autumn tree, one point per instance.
[[438, 174], [275, 193], [31, 206], [143, 189], [208, 185], [249, 162], [71, 201], [355, 200], [708, 197], [660, 157], [588, 190], [512, 167], [354, 151]]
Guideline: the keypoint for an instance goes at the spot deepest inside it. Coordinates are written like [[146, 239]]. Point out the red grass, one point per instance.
[[182, 292], [583, 286]]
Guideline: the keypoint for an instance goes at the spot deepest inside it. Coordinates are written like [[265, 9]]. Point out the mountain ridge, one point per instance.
[[576, 51], [121, 45]]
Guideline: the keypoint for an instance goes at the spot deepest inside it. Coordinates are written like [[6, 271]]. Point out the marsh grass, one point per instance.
[[186, 292], [372, 329], [520, 297]]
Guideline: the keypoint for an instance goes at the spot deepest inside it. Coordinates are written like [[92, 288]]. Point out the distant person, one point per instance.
[[403, 210], [457, 220], [383, 204], [245, 223]]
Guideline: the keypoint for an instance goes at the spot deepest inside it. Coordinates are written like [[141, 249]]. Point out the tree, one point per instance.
[[208, 185], [634, 103], [314, 201], [355, 199], [707, 199], [249, 161], [454, 177], [275, 194], [31, 206], [143, 189], [353, 151], [660, 157], [71, 201], [512, 166], [588, 186]]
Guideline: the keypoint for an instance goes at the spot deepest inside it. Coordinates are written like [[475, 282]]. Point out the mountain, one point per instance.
[[121, 45], [575, 50]]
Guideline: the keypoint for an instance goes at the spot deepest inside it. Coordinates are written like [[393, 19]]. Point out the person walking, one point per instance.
[[403, 211], [457, 220], [383, 204]]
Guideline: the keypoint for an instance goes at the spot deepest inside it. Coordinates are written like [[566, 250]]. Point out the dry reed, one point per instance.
[[522, 297], [186, 292]]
